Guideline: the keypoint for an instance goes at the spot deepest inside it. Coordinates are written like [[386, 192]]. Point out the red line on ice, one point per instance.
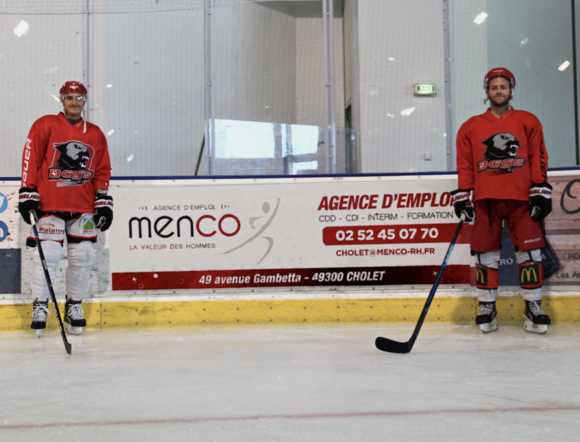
[[195, 420]]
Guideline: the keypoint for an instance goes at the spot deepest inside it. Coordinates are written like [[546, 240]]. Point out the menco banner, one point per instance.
[[287, 232]]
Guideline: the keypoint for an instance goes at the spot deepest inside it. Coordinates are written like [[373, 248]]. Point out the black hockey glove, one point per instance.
[[28, 201], [540, 201], [462, 204], [104, 211]]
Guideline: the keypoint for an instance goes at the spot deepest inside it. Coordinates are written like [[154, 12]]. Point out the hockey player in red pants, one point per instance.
[[502, 167], [65, 179]]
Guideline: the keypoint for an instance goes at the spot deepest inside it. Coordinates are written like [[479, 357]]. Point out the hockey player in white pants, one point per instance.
[[65, 179]]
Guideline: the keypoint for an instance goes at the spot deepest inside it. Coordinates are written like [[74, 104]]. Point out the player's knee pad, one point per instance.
[[529, 255], [488, 259], [81, 257], [52, 251]]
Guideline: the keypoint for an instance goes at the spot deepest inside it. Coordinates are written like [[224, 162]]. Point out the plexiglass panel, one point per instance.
[[150, 90], [38, 53], [268, 67], [258, 148], [534, 40]]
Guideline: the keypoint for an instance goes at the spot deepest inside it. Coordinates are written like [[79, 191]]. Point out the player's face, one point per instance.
[[499, 92], [73, 105]]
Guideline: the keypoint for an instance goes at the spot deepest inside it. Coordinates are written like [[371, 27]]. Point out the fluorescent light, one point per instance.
[[130, 157], [111, 132], [480, 18], [564, 65], [407, 112], [109, 85], [21, 29], [391, 59], [525, 41]]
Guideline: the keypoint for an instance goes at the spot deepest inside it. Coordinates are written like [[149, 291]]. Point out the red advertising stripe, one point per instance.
[[354, 276], [392, 234]]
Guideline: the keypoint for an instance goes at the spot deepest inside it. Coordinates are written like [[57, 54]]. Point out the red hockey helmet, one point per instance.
[[73, 86], [499, 72]]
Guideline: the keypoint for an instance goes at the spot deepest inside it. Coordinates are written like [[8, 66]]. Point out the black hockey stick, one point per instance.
[[200, 155], [391, 346], [67, 345]]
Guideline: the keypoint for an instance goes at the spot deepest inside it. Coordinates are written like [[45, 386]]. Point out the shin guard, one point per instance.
[[486, 278], [531, 275]]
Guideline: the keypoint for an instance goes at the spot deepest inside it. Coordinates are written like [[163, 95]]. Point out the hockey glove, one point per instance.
[[540, 201], [28, 201], [462, 204], [104, 211]]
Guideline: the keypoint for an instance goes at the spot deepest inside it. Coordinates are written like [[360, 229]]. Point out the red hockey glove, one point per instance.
[[28, 201], [462, 204], [540, 201], [104, 211]]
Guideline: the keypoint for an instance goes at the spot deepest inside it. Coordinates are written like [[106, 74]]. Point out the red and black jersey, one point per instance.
[[500, 158], [64, 164]]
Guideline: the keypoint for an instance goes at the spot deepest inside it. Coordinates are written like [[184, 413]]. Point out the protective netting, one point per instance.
[[59, 7]]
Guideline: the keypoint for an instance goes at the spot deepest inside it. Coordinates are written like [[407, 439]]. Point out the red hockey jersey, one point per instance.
[[64, 164], [500, 158]]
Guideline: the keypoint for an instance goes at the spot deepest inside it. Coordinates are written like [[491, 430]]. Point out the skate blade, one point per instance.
[[39, 333], [490, 326], [530, 327], [73, 330]]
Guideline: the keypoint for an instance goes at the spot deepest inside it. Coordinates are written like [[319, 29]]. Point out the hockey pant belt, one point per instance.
[[531, 275], [486, 278]]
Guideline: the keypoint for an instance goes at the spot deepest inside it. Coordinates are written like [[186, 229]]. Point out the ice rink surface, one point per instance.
[[292, 383]]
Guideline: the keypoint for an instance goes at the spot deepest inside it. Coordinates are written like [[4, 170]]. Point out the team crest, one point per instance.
[[71, 165], [501, 153]]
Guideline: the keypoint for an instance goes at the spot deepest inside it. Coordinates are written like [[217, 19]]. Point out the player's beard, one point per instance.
[[500, 102]]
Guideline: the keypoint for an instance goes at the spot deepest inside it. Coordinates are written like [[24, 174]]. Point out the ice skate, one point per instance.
[[487, 318], [39, 312], [536, 321], [74, 317]]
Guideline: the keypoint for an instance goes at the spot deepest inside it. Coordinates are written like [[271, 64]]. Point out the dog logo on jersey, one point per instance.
[[501, 153], [71, 165]]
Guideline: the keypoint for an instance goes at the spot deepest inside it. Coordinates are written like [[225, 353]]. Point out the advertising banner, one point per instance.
[[286, 233], [10, 253]]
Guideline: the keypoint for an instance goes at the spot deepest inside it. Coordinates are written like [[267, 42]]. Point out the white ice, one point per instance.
[[291, 383]]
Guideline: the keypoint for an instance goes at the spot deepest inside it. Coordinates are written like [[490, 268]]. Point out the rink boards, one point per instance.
[[175, 243]]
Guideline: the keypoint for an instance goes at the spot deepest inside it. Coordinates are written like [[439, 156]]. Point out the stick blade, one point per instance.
[[391, 346]]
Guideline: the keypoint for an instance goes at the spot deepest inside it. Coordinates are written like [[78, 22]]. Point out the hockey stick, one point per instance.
[[391, 346], [67, 345], [200, 155]]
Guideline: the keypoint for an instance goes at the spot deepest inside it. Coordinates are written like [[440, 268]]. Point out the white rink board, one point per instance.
[[315, 224]]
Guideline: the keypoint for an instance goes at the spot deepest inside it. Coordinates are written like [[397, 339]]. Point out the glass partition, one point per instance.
[[258, 148], [269, 88], [38, 53], [255, 87], [534, 40]]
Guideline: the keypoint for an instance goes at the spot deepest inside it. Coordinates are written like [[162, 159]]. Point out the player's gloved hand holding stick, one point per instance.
[[462, 204], [28, 201], [540, 201], [103, 211]]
